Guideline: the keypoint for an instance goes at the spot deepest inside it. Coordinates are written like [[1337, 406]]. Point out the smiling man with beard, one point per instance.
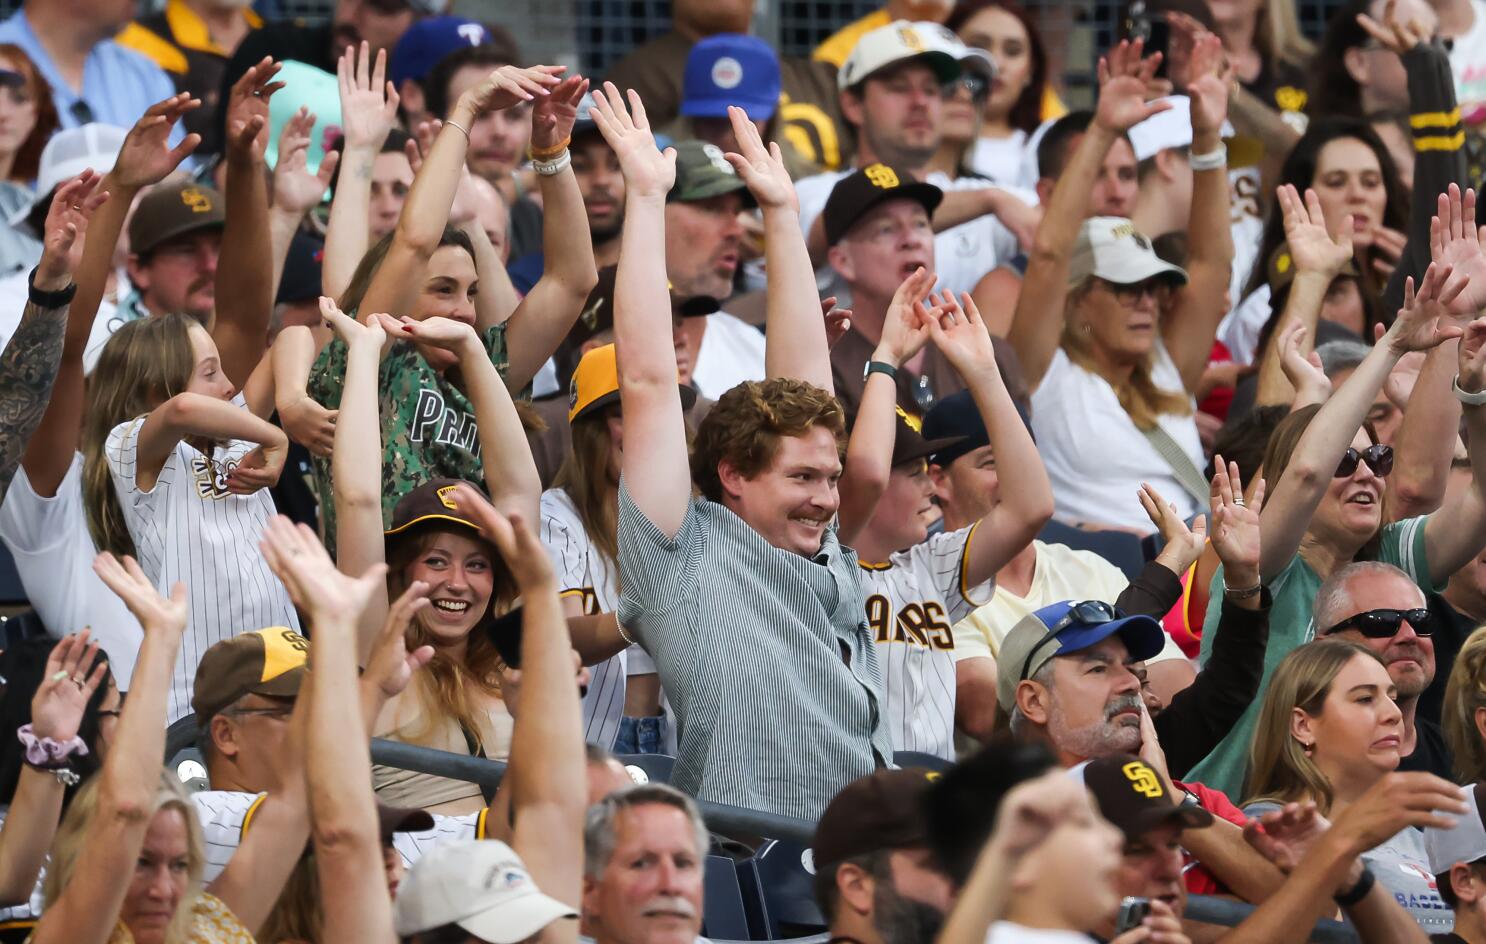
[[1377, 605]]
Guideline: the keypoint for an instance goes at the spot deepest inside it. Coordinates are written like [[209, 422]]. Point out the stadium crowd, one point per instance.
[[1071, 522]]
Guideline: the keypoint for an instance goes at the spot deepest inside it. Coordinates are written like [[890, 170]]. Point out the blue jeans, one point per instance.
[[640, 735]]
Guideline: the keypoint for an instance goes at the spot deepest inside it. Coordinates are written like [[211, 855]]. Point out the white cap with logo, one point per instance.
[[901, 40], [1111, 248], [480, 885], [1466, 843]]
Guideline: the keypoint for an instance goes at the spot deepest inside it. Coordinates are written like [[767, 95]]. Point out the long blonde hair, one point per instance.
[[145, 363], [1277, 34], [1139, 396], [1465, 694], [75, 832], [1280, 770], [585, 477]]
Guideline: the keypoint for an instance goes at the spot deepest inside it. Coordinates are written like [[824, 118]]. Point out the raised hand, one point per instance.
[[1033, 809], [247, 110], [511, 85], [518, 546], [1210, 79], [1304, 371], [760, 166], [391, 666], [438, 332], [295, 189], [1395, 33], [960, 334], [1312, 248], [1399, 799], [647, 171], [66, 226], [1183, 545], [554, 114], [128, 582], [1235, 524], [348, 329], [1123, 77], [73, 674], [838, 320], [368, 101], [146, 156], [1454, 240], [297, 557], [1285, 835], [904, 331], [1473, 357], [1423, 322]]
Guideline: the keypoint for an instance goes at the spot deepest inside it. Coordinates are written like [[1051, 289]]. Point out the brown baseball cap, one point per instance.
[[268, 662], [397, 819], [909, 443], [172, 210], [883, 810], [1134, 798], [432, 501]]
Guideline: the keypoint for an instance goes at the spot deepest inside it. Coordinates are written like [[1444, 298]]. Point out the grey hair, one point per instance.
[[1341, 354], [599, 827], [1018, 722], [1334, 599]]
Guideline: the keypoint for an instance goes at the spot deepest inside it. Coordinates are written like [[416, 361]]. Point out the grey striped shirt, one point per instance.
[[765, 655]]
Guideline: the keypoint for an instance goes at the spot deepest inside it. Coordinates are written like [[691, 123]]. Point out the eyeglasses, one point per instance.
[[971, 82], [1084, 613], [1383, 624], [278, 711], [1158, 288], [1379, 458]]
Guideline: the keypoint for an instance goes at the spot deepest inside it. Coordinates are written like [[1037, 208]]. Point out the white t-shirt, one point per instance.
[[14, 291], [1004, 932], [962, 254], [913, 600], [1096, 458], [732, 352], [1247, 233], [1239, 329], [1468, 66], [585, 574], [1000, 159], [53, 552], [189, 528]]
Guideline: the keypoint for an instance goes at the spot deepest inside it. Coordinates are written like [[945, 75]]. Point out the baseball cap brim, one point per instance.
[[426, 519], [926, 195], [716, 188], [925, 448], [1142, 635], [1137, 268], [946, 67], [1185, 817], [516, 920], [757, 109], [688, 400]]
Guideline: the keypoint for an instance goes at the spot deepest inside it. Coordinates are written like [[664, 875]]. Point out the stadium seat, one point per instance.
[[723, 915], [656, 767], [778, 891], [1120, 548], [920, 759]]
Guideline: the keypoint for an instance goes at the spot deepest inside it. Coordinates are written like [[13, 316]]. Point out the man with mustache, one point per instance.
[[175, 241], [1377, 605], [875, 879], [658, 901]]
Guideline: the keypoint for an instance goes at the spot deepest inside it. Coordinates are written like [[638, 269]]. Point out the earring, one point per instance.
[[1307, 748]]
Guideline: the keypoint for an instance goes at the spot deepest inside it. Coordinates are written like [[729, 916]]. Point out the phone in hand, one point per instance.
[[1133, 912]]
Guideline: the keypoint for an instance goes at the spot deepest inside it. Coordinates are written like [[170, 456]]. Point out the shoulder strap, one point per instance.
[[1179, 462]]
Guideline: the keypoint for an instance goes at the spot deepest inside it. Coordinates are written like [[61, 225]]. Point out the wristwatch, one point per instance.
[[1359, 891], [879, 367], [48, 300]]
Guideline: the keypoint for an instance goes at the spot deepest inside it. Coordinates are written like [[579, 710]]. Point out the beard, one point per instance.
[[1101, 738], [901, 920]]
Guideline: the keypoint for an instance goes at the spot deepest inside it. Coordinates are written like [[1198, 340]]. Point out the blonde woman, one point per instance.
[[1464, 712]]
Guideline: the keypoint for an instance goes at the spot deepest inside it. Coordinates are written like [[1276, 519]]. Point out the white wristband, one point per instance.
[[555, 166], [1212, 160], [1469, 399]]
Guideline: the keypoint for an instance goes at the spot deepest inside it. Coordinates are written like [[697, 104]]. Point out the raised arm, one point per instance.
[[368, 112], [426, 210], [1188, 330], [1026, 496], [1038, 323], [296, 191], [656, 469], [1295, 497], [195, 414], [292, 358], [87, 910], [29, 364], [348, 849], [1458, 532], [546, 315], [796, 345], [145, 158], [244, 303]]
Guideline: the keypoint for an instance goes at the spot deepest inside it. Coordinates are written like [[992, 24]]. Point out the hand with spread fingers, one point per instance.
[[146, 156], [904, 330], [1454, 240], [1123, 77], [127, 580], [761, 166], [1183, 545], [295, 189], [1312, 248], [247, 110], [1235, 525], [513, 537], [1396, 33], [391, 666], [73, 674], [368, 101], [1424, 321], [647, 170], [296, 556], [65, 229], [554, 114]]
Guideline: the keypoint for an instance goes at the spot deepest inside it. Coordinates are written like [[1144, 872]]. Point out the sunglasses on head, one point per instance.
[[1383, 624], [1083, 613], [1379, 458]]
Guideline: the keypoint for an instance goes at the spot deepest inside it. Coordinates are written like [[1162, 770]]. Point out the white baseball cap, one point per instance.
[[1466, 843], [1111, 248], [480, 885], [68, 154], [901, 40], [1171, 128]]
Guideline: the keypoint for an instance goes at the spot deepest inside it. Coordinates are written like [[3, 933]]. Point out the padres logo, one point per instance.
[[197, 200], [444, 496], [881, 176], [909, 36], [1143, 780]]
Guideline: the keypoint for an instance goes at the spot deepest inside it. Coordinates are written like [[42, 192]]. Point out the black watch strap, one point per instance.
[[1359, 891], [879, 367], [49, 300]]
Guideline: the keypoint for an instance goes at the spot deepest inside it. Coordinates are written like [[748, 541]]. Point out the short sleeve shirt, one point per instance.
[[913, 601], [761, 651], [1290, 626], [428, 424]]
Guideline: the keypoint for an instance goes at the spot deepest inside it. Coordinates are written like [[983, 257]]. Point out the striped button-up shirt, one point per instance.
[[765, 655]]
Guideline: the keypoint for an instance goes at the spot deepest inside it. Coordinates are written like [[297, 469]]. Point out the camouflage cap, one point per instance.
[[703, 172]]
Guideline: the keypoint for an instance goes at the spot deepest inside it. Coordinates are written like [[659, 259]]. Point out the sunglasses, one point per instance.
[[1158, 288], [1083, 613], [1379, 458], [1384, 624], [971, 82]]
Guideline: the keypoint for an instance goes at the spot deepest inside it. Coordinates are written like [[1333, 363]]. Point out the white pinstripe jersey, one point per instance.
[[584, 573], [189, 528], [913, 600]]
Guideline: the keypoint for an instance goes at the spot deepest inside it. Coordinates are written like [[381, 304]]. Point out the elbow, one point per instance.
[[343, 836], [125, 804], [1306, 474], [420, 239], [357, 499], [1414, 496]]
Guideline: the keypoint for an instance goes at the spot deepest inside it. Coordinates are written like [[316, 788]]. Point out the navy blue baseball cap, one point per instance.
[[1062, 629], [731, 69], [428, 41], [957, 416]]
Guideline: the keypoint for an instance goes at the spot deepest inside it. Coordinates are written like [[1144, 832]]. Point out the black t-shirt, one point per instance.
[[1451, 628], [283, 40], [1451, 938], [1430, 753]]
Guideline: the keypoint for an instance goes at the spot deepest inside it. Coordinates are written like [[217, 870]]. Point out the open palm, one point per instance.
[[146, 156], [760, 166], [1455, 241], [1312, 248], [647, 170], [368, 100], [1422, 322], [1123, 78]]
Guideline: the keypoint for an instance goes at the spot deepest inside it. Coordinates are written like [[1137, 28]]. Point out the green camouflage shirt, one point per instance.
[[428, 424]]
